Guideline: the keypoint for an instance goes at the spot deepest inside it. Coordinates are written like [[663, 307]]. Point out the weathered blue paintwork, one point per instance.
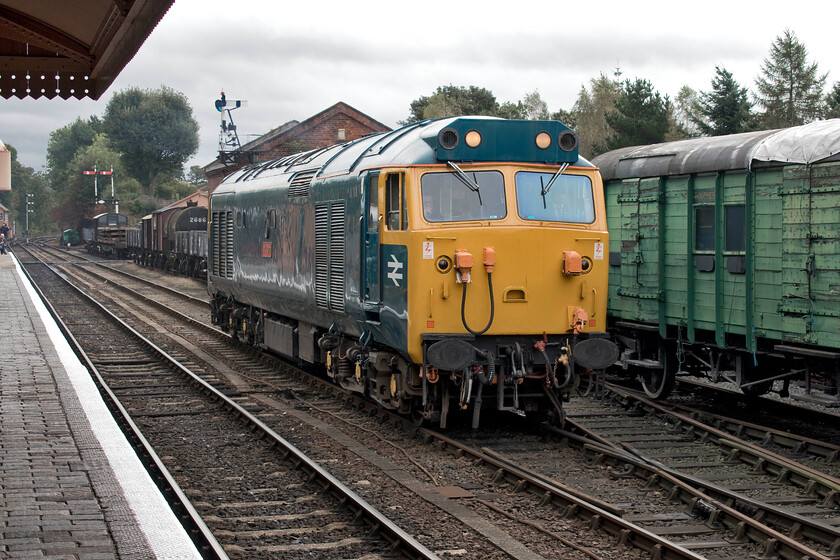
[[274, 268]]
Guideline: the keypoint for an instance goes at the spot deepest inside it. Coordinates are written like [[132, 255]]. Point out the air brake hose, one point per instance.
[[492, 307]]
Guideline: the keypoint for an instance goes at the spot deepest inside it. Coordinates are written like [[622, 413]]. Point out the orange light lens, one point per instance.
[[543, 140], [473, 139]]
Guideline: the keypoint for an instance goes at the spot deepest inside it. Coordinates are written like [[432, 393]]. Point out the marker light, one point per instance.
[[543, 140], [473, 138]]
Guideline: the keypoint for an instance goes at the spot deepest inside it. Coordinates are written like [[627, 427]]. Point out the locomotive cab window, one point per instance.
[[704, 228], [450, 198], [735, 240], [396, 216], [568, 198]]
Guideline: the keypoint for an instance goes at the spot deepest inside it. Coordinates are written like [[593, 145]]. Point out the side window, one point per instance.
[[736, 228], [704, 228], [239, 219], [373, 204], [396, 217]]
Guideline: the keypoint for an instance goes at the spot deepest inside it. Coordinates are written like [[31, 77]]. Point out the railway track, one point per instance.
[[257, 493], [480, 480], [406, 467], [788, 483]]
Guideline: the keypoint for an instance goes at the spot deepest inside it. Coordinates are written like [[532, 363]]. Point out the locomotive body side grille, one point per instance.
[[214, 233], [337, 257], [329, 256], [322, 223], [229, 245], [299, 185], [222, 234]]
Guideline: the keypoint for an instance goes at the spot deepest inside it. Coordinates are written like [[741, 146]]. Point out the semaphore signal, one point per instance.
[[96, 173]]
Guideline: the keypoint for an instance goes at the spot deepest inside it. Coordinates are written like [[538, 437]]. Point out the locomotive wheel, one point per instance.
[[658, 383]]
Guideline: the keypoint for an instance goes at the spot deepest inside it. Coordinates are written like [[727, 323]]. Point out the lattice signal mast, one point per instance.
[[228, 138]]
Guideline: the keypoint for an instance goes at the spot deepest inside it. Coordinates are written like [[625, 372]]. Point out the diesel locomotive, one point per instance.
[[724, 260], [442, 268]]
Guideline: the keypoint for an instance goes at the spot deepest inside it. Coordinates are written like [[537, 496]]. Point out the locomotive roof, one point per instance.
[[810, 143], [419, 144]]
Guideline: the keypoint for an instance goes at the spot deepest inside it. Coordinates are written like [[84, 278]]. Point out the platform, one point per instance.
[[71, 486]]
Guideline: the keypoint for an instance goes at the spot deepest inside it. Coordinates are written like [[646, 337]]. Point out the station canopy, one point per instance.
[[52, 48]]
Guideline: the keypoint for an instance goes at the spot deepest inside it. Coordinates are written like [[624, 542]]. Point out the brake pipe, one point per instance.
[[463, 266]]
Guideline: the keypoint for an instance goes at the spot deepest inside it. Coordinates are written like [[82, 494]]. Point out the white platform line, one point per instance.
[[164, 533]]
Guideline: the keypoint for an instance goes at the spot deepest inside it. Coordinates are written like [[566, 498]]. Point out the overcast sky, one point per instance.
[[291, 60]]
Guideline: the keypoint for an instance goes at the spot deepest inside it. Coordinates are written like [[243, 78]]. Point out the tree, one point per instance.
[[589, 114], [535, 108], [77, 198], [154, 131], [196, 176], [451, 100], [509, 110], [832, 102], [26, 181], [687, 111], [64, 143], [789, 89], [724, 110], [641, 116]]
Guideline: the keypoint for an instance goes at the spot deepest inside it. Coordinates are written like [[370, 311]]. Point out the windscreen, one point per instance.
[[449, 198], [569, 199]]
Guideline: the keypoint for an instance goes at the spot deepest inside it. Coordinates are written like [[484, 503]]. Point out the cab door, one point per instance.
[[370, 291]]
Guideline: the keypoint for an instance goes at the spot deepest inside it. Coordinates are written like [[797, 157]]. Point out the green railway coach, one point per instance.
[[725, 259]]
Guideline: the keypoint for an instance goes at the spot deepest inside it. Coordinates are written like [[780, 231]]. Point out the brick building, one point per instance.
[[334, 125]]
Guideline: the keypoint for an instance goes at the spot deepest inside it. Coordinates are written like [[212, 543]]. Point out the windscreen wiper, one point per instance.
[[544, 189], [470, 183]]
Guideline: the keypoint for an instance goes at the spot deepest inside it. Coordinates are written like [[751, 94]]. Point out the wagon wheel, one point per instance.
[[754, 391], [658, 383]]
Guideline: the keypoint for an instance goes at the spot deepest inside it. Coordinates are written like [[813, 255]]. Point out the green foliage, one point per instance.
[[26, 180], [154, 131], [76, 196], [724, 110], [65, 142], [641, 116], [451, 100], [145, 136], [566, 117], [832, 102], [789, 89], [686, 110], [196, 176], [509, 110], [536, 109], [589, 114], [173, 189], [140, 206]]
